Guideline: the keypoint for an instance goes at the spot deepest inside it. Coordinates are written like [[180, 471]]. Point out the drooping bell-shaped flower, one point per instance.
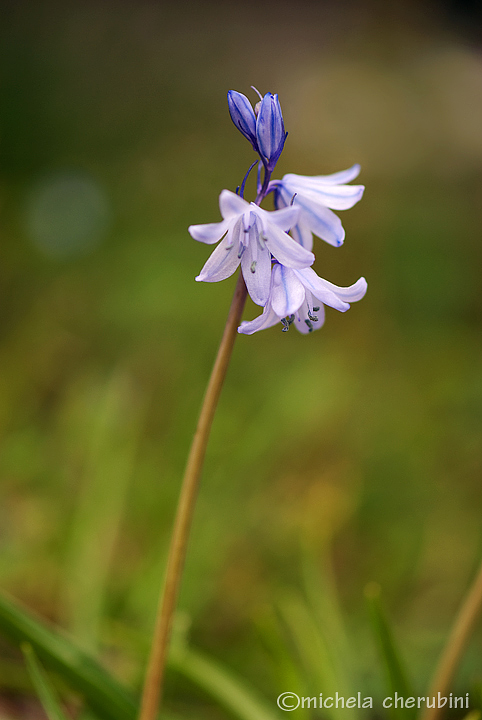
[[317, 197], [250, 236], [298, 296]]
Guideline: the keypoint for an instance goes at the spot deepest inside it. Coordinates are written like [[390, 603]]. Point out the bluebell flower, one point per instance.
[[250, 236], [298, 296], [243, 116], [315, 196], [270, 130]]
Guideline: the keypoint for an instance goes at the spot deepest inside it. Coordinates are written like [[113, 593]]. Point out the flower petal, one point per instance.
[[242, 115], [338, 178], [270, 129], [209, 233], [303, 235], [256, 267], [287, 292], [284, 218], [231, 204], [321, 221], [267, 319], [286, 250], [222, 262], [338, 197], [350, 294], [320, 289]]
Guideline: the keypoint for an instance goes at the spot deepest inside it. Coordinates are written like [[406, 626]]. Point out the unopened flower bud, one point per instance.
[[270, 130], [243, 116]]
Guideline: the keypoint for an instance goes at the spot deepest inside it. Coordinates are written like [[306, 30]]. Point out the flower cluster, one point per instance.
[[274, 248]]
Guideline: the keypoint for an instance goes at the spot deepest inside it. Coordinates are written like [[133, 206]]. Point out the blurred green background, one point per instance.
[[350, 456]]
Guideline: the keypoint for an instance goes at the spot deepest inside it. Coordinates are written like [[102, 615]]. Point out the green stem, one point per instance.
[[458, 639], [152, 692]]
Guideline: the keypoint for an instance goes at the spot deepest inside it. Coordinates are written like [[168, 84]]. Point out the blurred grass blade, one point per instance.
[[107, 420], [317, 655], [220, 684], [108, 698], [397, 679], [45, 691], [324, 606]]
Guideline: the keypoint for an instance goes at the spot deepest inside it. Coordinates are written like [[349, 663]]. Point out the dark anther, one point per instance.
[[316, 309], [286, 325], [253, 266], [310, 326]]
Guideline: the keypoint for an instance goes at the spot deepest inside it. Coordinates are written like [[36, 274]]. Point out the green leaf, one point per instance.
[[45, 691], [397, 679], [223, 686], [105, 695]]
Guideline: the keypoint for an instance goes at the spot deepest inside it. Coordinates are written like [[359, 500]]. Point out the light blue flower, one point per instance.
[[298, 296], [250, 236], [316, 197]]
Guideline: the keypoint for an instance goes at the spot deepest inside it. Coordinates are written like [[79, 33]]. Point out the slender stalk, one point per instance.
[[458, 639], [152, 692]]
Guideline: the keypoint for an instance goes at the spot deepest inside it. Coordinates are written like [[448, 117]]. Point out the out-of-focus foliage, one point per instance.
[[358, 447]]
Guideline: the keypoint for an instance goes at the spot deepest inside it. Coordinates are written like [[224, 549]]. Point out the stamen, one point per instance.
[[242, 248], [316, 309], [293, 198], [253, 266], [312, 317], [310, 326], [286, 325]]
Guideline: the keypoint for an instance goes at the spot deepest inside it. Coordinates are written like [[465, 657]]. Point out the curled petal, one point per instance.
[[319, 288], [338, 197], [209, 233], [349, 294], [344, 176], [287, 292], [267, 319], [338, 178], [222, 262]]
